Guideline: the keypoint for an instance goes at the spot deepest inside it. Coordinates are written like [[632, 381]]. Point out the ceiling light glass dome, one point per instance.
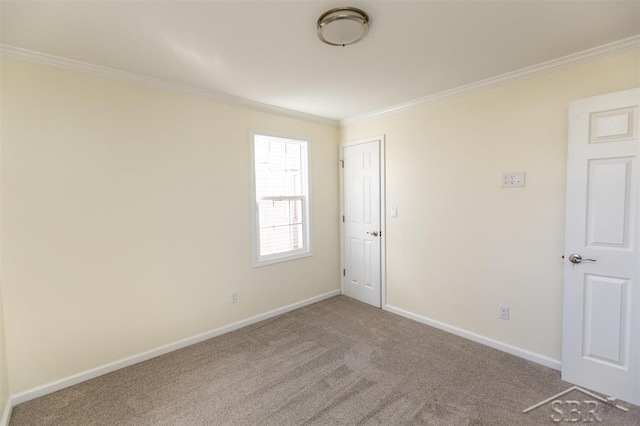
[[343, 26]]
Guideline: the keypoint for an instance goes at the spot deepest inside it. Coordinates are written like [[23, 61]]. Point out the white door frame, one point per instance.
[[383, 226]]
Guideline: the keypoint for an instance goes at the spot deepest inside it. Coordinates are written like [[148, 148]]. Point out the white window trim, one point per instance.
[[271, 259]]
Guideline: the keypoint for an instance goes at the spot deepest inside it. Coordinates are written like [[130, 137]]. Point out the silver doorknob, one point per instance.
[[374, 233], [576, 258]]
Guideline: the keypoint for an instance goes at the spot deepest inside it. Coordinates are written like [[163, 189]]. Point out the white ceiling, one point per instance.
[[268, 51]]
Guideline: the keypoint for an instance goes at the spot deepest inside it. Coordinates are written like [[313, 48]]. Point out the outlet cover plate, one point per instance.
[[504, 312], [512, 180]]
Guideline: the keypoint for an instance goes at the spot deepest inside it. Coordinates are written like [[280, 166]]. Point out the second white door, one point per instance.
[[601, 318], [362, 236]]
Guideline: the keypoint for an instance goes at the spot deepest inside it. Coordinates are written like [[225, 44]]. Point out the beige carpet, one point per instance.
[[335, 362]]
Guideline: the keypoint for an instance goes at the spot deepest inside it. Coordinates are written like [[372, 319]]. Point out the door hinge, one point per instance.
[[342, 163], [344, 272], [342, 218]]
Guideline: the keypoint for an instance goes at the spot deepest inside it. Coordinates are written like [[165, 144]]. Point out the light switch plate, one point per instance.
[[511, 180], [394, 211]]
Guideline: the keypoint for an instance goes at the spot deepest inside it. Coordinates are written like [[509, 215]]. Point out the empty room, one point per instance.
[[319, 212]]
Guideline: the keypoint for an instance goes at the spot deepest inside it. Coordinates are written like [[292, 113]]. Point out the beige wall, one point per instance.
[[126, 218], [4, 378], [461, 245]]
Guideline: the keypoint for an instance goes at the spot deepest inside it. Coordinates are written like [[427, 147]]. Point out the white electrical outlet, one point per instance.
[[511, 180], [234, 297], [504, 312]]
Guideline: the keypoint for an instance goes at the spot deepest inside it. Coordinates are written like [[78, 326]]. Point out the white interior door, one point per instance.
[[362, 230], [601, 305]]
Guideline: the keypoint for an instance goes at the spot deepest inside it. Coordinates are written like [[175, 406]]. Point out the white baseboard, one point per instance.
[[522, 353], [6, 414], [134, 359]]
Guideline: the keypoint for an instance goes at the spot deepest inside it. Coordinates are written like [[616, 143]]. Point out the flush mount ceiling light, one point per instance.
[[343, 26]]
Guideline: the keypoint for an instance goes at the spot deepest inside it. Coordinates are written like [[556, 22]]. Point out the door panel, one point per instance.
[[606, 319], [612, 126], [362, 222], [601, 303], [608, 208]]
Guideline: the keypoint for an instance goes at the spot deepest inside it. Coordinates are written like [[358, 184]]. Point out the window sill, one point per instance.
[[282, 258]]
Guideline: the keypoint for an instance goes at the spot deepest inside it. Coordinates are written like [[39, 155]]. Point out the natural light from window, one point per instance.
[[281, 199]]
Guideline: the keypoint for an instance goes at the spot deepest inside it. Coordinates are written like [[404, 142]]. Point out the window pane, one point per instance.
[[261, 149], [280, 225], [294, 156], [281, 213], [262, 176], [297, 237], [282, 240], [267, 241], [276, 183], [295, 211], [265, 213], [278, 166], [277, 154], [293, 184]]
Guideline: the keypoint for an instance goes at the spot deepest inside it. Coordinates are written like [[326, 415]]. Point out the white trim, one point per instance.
[[504, 347], [508, 78], [383, 226], [6, 414], [25, 55], [134, 359], [341, 272]]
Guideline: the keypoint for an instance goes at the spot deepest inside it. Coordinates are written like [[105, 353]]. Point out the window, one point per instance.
[[281, 205]]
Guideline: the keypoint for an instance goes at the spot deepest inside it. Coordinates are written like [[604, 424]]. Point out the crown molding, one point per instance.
[[150, 82], [504, 79], [26, 55]]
